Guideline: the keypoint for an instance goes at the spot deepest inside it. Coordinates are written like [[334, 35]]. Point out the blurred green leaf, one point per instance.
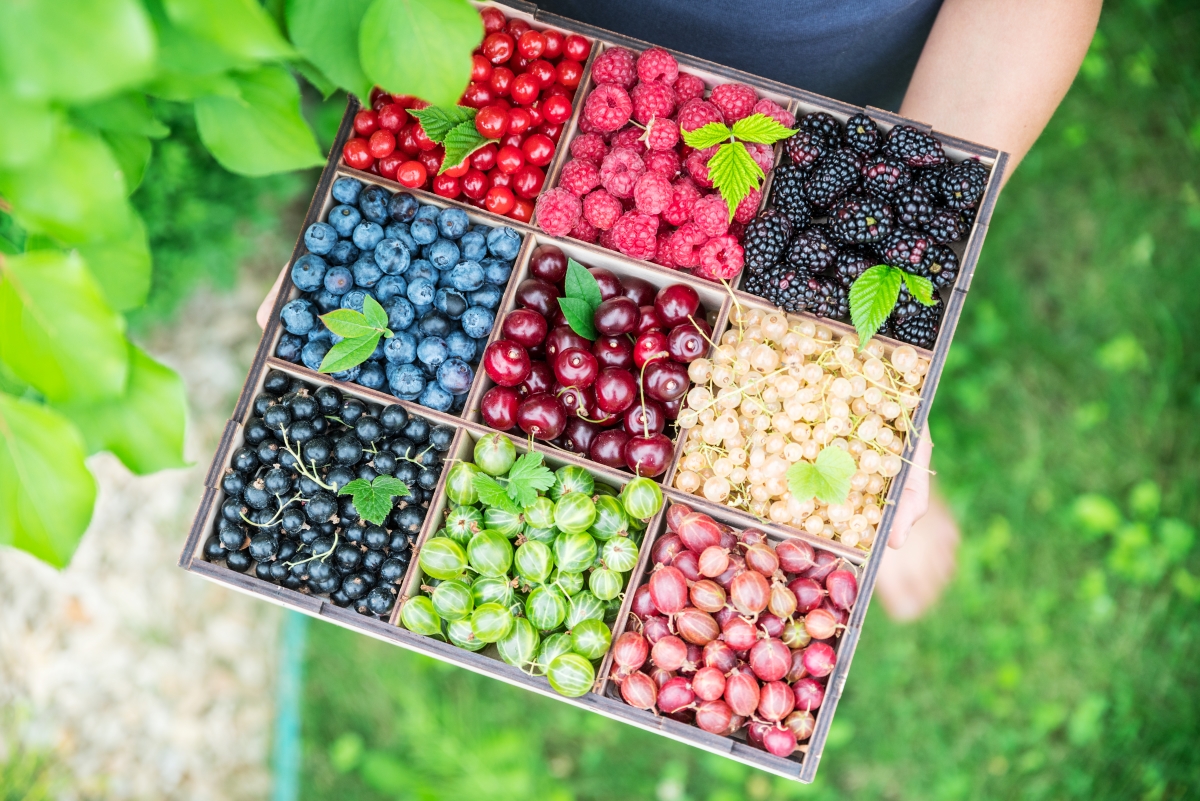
[[121, 265], [386, 774], [1096, 514], [346, 752], [1133, 556], [1122, 354], [1087, 721], [27, 129], [127, 113], [1175, 538], [318, 79], [132, 151], [326, 32], [242, 28], [1145, 499]]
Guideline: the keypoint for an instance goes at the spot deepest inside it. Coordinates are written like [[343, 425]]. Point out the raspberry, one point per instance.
[[579, 177], [586, 127], [652, 99], [629, 137], [616, 66], [662, 251], [683, 197], [663, 162], [688, 87], [636, 235], [697, 166], [696, 113], [684, 244], [662, 134], [606, 240], [720, 257], [589, 146], [608, 107], [657, 64], [775, 111], [737, 230], [652, 193], [620, 171], [557, 212], [601, 209], [734, 100], [711, 215], [763, 155], [584, 231], [748, 207]]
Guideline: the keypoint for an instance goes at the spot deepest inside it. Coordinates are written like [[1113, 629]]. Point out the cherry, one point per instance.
[[538, 149], [525, 327], [445, 185], [541, 379], [578, 435], [411, 174], [478, 95], [493, 19], [393, 117], [459, 170], [528, 181], [491, 122], [481, 68], [366, 122], [648, 456], [646, 418], [616, 390], [613, 352], [422, 139], [574, 399], [671, 408], [577, 48], [542, 415], [501, 81], [608, 448], [381, 144], [499, 200], [676, 303], [648, 320], [484, 158], [498, 178], [525, 88], [570, 73], [379, 97], [407, 140], [509, 159], [498, 47], [665, 380], [616, 316], [499, 407], [558, 318], [554, 44], [562, 338], [548, 263], [389, 164], [522, 210], [431, 160], [685, 343], [531, 44], [556, 109], [356, 154], [536, 294], [506, 362], [610, 285], [650, 346], [575, 367], [474, 183]]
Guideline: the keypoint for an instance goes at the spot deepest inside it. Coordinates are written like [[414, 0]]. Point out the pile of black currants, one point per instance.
[[283, 516]]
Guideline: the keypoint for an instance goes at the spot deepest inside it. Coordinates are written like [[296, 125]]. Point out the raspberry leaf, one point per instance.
[[526, 477], [579, 316], [462, 140], [827, 479], [920, 288], [438, 121], [734, 173], [707, 135], [580, 283], [492, 494], [348, 353], [373, 500], [872, 297], [761, 129]]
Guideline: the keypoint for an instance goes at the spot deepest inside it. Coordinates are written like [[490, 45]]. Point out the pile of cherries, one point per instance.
[[608, 399], [523, 83], [738, 633]]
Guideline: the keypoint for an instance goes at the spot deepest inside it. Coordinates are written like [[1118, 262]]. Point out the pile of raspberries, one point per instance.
[[633, 185]]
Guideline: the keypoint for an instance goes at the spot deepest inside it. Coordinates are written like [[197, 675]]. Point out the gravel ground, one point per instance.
[[140, 680]]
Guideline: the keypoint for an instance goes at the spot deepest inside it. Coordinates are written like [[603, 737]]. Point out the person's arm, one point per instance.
[[994, 71]]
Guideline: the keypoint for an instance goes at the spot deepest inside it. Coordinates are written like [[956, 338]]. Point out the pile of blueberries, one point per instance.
[[298, 533], [439, 279]]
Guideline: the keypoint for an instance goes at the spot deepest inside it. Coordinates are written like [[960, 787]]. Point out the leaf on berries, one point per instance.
[[437, 120], [348, 353], [463, 140], [376, 316], [872, 298], [761, 129], [708, 135], [827, 480], [350, 323], [580, 283], [492, 494], [526, 477], [920, 288], [579, 316], [734, 173], [373, 500]]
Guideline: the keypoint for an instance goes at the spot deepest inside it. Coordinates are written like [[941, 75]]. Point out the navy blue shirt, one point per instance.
[[860, 52]]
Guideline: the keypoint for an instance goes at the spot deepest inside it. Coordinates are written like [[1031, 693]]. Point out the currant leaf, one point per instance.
[[827, 479]]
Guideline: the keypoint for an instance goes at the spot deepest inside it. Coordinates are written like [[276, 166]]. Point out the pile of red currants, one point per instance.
[[738, 632], [523, 83], [609, 399]]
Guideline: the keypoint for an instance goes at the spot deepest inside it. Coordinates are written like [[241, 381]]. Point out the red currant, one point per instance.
[[381, 144], [491, 122], [411, 174], [499, 200], [556, 109], [498, 47], [366, 122], [446, 185], [422, 139], [432, 159], [484, 158], [569, 73], [526, 88], [535, 117], [481, 68], [531, 44], [408, 101], [474, 184], [498, 178], [357, 155], [528, 181], [538, 149], [577, 48], [510, 159], [522, 210], [392, 117], [554, 44], [501, 81], [544, 71], [389, 164], [458, 171], [512, 140], [519, 121], [478, 95], [379, 97], [516, 27], [407, 140], [552, 131], [493, 19]]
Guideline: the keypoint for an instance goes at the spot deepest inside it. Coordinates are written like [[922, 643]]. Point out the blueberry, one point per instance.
[[390, 286], [433, 351], [429, 212], [434, 324], [308, 272], [392, 256], [496, 271], [348, 375], [467, 276], [449, 302], [477, 322], [401, 349], [423, 231], [326, 301], [339, 280], [343, 252], [372, 376], [320, 238], [323, 334], [367, 235], [400, 314], [473, 245], [346, 190], [297, 317], [407, 382], [421, 292], [422, 309], [354, 299], [374, 202], [461, 346], [455, 376], [442, 254], [403, 207], [421, 269], [343, 219], [504, 243], [488, 297], [366, 272], [313, 353], [289, 348], [377, 354], [436, 397], [453, 223], [399, 231]]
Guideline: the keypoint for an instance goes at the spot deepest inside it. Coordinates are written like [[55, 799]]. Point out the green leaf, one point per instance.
[[463, 140], [526, 477], [144, 427], [492, 494], [373, 500], [919, 287], [872, 298], [262, 131], [27, 129], [707, 135], [579, 316], [437, 121], [241, 28], [734, 173], [827, 480], [190, 65], [391, 485], [375, 316], [580, 283], [761, 129], [349, 323], [74, 50], [420, 47], [56, 330], [46, 491], [1096, 515], [132, 152], [127, 113], [311, 73], [121, 265], [348, 353], [326, 33]]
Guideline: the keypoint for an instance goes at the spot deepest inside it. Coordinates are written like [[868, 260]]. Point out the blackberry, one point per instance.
[[850, 264], [765, 239], [943, 266], [862, 134], [860, 219], [914, 147], [790, 294], [812, 252], [962, 185], [908, 250], [787, 193], [821, 123], [825, 298], [920, 329], [913, 206], [930, 180], [884, 176], [906, 306], [779, 285], [946, 226], [805, 148], [838, 174]]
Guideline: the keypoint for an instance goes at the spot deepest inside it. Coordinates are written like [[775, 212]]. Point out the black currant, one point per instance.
[[339, 477], [316, 451], [407, 472], [392, 570], [408, 520], [292, 583], [375, 537], [262, 403], [384, 463], [367, 473], [347, 556], [339, 599], [287, 549], [394, 418], [368, 428], [279, 571], [346, 510], [233, 483], [277, 417], [329, 400], [399, 543], [440, 438], [380, 601], [417, 429], [256, 496], [213, 549], [372, 560], [301, 431], [262, 570], [256, 431], [245, 460], [263, 547], [352, 409], [277, 383], [319, 570], [348, 450], [268, 452], [231, 510], [320, 507], [302, 407], [428, 478], [239, 561]]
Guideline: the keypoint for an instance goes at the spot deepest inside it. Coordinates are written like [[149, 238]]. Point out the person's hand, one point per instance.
[[914, 500], [264, 309]]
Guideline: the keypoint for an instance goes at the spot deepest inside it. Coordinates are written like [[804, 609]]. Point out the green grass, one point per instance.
[[1062, 662]]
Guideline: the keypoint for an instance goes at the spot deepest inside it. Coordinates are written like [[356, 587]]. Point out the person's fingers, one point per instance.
[[914, 500], [264, 309]]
